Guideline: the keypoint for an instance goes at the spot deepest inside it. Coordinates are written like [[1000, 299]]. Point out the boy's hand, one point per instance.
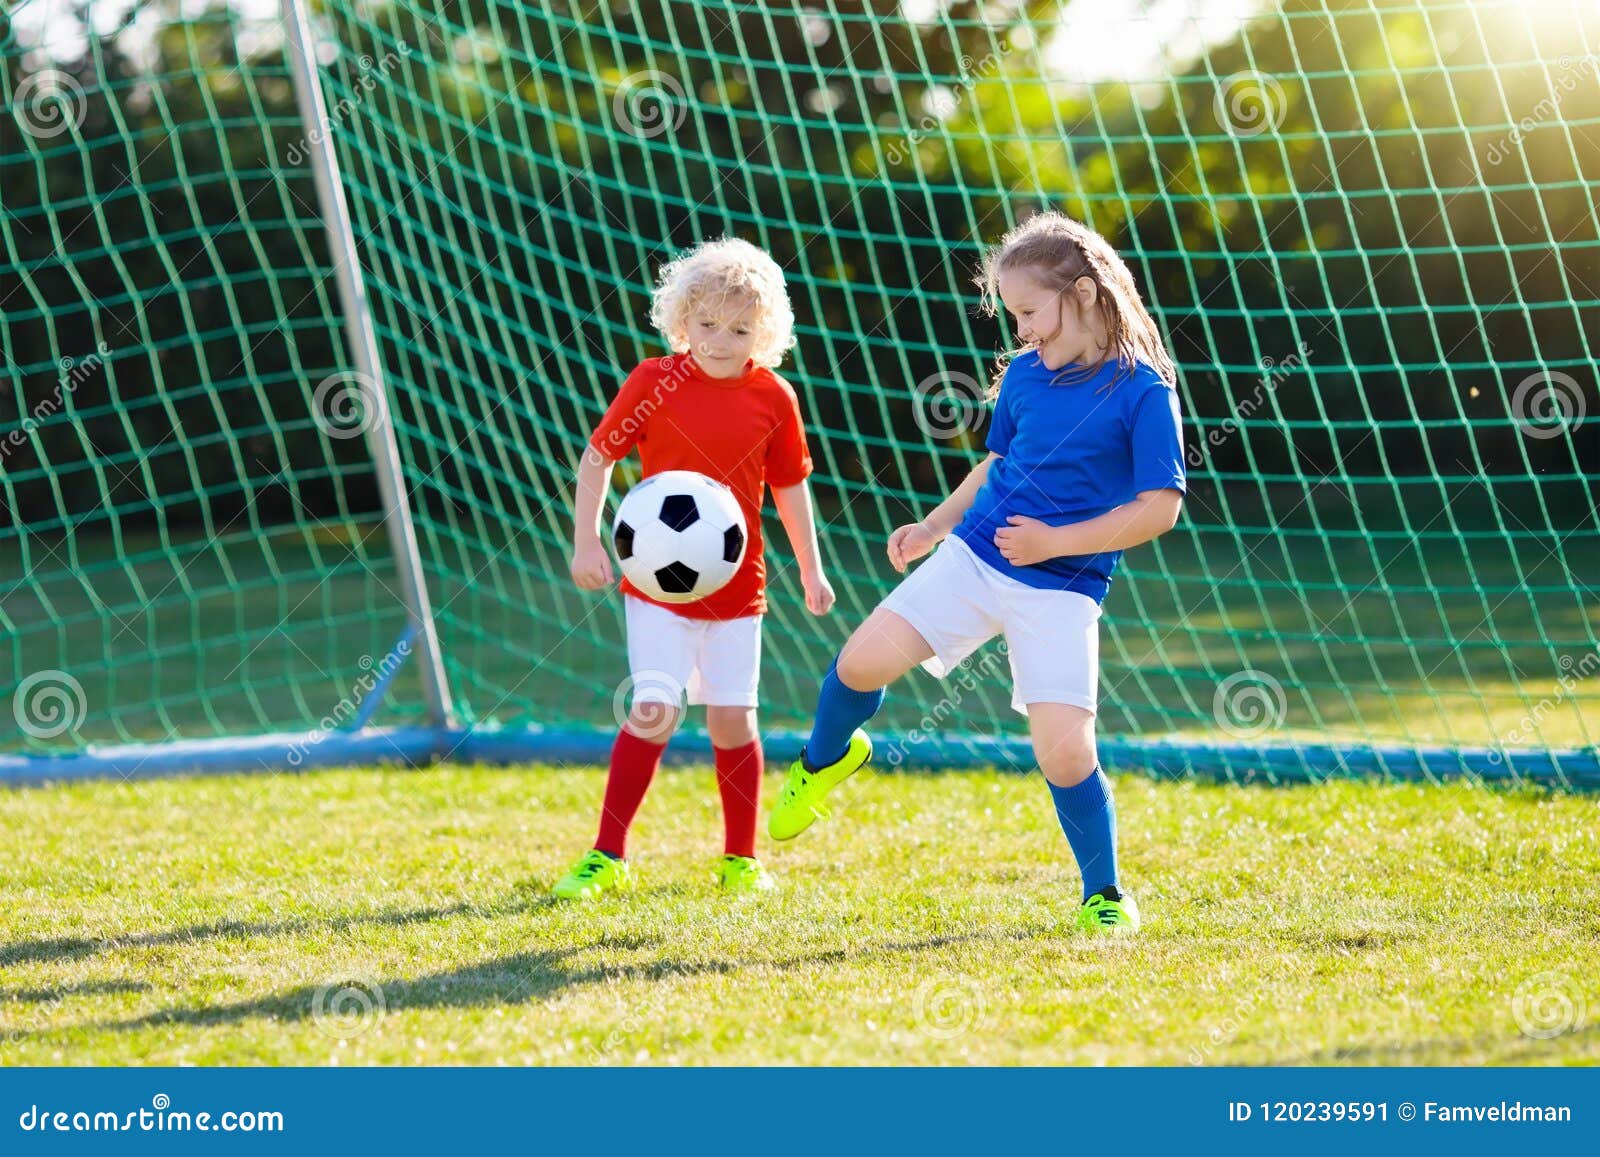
[[1025, 541], [819, 592], [909, 543], [591, 566]]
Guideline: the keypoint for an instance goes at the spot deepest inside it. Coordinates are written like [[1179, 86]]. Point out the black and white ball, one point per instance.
[[679, 536]]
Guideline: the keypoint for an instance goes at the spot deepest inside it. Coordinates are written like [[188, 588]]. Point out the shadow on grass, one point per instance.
[[525, 977], [1515, 1050], [77, 947], [54, 995]]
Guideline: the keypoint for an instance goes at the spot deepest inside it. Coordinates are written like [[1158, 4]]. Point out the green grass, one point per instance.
[[196, 921]]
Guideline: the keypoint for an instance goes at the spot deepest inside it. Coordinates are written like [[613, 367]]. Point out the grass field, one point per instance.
[[387, 917]]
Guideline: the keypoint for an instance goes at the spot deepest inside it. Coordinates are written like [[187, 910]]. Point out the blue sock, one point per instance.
[[1089, 819], [840, 710]]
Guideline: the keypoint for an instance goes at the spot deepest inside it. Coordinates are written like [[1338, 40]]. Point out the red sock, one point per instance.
[[633, 766], [739, 780]]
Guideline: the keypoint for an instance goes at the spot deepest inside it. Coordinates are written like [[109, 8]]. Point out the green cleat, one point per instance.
[[1106, 916], [594, 876], [744, 874], [803, 792]]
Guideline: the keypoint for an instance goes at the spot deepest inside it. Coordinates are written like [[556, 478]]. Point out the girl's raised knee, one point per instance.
[[1069, 772]]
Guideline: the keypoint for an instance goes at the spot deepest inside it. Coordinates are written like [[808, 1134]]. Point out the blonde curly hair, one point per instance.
[[708, 276]]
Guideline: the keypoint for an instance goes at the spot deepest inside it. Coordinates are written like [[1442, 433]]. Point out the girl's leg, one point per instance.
[[882, 649], [1063, 743], [740, 764], [635, 756]]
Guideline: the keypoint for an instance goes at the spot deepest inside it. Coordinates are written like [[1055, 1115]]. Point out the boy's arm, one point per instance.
[[799, 523], [1151, 514], [591, 564]]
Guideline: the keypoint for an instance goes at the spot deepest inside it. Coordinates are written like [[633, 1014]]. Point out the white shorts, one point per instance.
[[958, 602], [714, 661]]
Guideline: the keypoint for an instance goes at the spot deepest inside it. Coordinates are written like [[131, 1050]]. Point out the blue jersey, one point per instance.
[[1070, 453]]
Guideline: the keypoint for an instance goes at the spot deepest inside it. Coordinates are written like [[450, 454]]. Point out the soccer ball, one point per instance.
[[679, 536]]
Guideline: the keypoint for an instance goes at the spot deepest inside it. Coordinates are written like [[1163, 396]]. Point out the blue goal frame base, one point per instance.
[[1278, 762]]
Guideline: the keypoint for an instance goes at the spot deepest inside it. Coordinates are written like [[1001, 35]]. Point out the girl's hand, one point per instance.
[[1026, 541], [909, 543], [591, 566], [819, 592]]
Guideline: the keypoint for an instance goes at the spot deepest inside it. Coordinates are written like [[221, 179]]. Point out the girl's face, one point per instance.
[[1062, 325], [722, 336]]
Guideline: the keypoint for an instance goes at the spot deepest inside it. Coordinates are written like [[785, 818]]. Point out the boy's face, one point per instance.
[[722, 335], [1056, 322]]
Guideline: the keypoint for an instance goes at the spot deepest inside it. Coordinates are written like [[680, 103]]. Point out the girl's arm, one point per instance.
[[910, 543], [949, 513], [1151, 514], [794, 509], [591, 565]]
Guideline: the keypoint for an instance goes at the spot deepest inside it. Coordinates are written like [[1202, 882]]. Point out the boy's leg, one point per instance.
[[634, 761], [740, 766], [727, 680], [661, 650]]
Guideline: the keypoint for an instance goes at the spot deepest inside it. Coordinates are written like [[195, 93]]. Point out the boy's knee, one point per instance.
[[653, 720], [731, 726]]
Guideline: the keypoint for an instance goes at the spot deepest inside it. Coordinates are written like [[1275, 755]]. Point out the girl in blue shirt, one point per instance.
[[1085, 460]]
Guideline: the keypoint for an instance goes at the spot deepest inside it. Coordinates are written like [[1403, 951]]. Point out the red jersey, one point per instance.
[[744, 432]]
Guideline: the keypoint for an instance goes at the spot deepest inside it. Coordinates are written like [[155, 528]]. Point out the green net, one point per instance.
[[1368, 231]]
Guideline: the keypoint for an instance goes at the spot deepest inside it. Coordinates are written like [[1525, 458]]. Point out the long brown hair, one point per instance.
[[1057, 251]]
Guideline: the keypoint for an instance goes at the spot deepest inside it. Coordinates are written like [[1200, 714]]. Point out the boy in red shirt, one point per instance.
[[713, 406]]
